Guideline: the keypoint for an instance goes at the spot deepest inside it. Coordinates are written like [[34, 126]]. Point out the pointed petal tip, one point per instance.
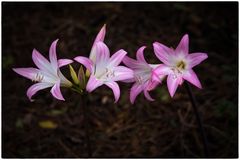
[[104, 25], [147, 95], [171, 95], [55, 41], [76, 58], [30, 97], [199, 86], [143, 47], [116, 100], [56, 92], [122, 51], [132, 99], [186, 35], [16, 70], [205, 55], [64, 62], [155, 43], [86, 62], [34, 51]]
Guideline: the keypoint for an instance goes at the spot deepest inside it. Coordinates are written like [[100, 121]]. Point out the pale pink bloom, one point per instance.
[[103, 68], [142, 75], [178, 64], [47, 74]]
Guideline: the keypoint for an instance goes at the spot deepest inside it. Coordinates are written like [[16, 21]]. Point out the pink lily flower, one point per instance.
[[142, 75], [47, 74], [178, 64], [103, 68]]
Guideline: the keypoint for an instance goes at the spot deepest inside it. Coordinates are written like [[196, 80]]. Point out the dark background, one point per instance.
[[163, 128]]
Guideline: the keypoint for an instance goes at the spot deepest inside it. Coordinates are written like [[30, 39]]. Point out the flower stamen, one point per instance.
[[181, 65], [38, 77]]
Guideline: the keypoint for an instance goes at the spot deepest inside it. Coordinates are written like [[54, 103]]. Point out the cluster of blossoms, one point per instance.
[[101, 68]]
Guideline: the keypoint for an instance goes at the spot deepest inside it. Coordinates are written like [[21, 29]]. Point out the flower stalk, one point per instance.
[[86, 122], [199, 121]]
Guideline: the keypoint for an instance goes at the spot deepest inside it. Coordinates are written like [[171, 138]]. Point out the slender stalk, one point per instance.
[[199, 121], [86, 124]]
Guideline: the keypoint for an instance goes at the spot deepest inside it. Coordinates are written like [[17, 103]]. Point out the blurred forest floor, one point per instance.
[[163, 128]]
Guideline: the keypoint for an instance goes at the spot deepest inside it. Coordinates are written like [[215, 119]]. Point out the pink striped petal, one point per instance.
[[132, 63], [159, 72], [100, 38], [41, 62], [85, 61], [135, 91], [172, 84], [191, 76], [122, 73], [102, 53], [117, 58], [163, 53], [64, 62], [196, 58], [152, 85], [115, 88], [183, 45], [140, 54], [56, 92], [129, 62], [53, 55], [29, 73], [147, 95], [93, 54], [162, 70], [93, 83], [35, 88], [101, 34]]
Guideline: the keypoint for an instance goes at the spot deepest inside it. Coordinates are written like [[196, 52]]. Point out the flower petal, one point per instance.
[[115, 88], [102, 53], [117, 58], [56, 92], [140, 54], [160, 72], [122, 73], [134, 92], [100, 38], [35, 88], [147, 95], [183, 45], [53, 55], [129, 62], [93, 83], [191, 76], [64, 62], [196, 58], [85, 61], [132, 63], [172, 83], [163, 53], [129, 80], [152, 85], [29, 73], [63, 80], [41, 62], [101, 34]]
